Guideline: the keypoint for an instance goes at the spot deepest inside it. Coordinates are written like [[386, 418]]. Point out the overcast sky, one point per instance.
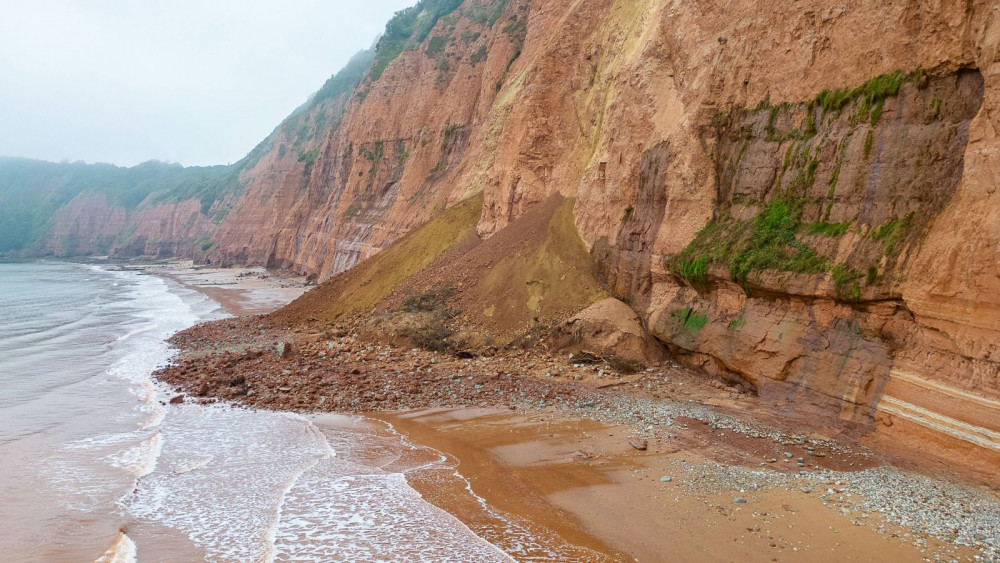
[[192, 81]]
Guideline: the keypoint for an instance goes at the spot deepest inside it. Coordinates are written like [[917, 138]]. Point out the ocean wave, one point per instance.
[[140, 459], [123, 550]]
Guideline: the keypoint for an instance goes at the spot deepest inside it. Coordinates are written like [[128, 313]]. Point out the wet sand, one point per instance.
[[240, 291], [584, 481]]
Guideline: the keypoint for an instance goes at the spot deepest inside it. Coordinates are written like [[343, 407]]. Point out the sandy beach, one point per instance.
[[240, 291]]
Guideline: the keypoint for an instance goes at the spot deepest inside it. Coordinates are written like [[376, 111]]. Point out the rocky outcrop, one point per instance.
[[795, 284]]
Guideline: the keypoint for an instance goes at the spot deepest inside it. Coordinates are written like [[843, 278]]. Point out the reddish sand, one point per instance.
[[584, 481]]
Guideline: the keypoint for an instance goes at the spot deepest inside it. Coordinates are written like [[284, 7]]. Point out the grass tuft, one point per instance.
[[691, 319], [434, 299], [828, 229], [845, 277], [891, 232]]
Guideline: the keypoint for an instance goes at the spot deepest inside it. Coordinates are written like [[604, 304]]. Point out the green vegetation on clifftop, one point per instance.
[[408, 29]]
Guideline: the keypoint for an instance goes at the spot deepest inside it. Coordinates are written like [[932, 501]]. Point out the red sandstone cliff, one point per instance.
[[89, 225]]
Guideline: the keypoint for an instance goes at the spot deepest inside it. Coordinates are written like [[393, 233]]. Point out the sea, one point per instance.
[[96, 464]]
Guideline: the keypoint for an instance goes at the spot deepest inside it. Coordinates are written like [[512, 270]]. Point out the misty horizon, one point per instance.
[[177, 83]]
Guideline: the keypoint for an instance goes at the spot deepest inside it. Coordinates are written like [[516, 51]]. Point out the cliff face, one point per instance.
[[797, 282], [837, 248], [90, 225], [393, 157]]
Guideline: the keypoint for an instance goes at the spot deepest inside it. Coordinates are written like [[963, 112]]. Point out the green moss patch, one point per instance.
[[766, 242], [891, 232], [827, 229], [870, 96], [691, 319]]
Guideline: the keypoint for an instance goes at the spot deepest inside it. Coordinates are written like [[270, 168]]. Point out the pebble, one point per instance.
[[666, 479], [739, 500]]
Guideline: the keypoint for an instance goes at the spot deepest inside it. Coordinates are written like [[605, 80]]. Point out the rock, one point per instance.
[[608, 327], [666, 479], [638, 443], [739, 500], [177, 400], [284, 350]]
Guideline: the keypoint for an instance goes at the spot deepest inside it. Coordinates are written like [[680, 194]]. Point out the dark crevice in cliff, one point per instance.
[[625, 263]]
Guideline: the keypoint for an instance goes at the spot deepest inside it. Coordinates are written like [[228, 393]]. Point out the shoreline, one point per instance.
[[238, 291]]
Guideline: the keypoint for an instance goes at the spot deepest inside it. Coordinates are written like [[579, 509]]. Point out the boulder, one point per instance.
[[608, 327]]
